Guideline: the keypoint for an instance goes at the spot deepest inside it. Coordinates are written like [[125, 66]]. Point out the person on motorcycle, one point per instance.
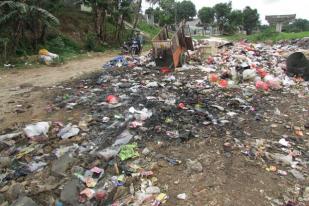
[[139, 38]]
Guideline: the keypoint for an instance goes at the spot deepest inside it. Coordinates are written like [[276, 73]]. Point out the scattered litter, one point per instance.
[[68, 131]]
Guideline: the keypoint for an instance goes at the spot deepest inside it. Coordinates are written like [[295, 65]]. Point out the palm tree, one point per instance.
[[19, 17]]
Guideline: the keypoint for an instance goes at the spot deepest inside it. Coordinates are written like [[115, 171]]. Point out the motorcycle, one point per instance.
[[132, 47]]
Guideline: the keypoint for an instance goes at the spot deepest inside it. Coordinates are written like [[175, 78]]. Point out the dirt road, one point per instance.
[[21, 90]]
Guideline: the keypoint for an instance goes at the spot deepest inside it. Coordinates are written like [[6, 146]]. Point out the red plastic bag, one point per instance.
[[111, 99], [182, 105], [262, 73], [165, 70], [213, 78], [260, 85], [223, 83]]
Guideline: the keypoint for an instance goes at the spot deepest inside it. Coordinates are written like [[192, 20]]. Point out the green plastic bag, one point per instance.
[[128, 152]]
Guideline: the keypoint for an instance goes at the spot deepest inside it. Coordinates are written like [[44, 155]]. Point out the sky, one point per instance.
[[264, 7]]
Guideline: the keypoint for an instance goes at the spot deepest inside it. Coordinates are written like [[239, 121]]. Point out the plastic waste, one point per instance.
[[285, 143], [182, 196], [123, 138], [284, 159], [213, 78], [109, 153], [111, 99], [46, 57], [9, 136], [86, 194], [260, 85], [249, 74], [58, 203], [160, 199], [152, 84], [151, 64], [261, 72], [274, 83], [173, 134], [36, 166], [165, 70], [140, 115], [298, 175], [153, 190], [182, 105], [63, 150], [287, 81], [68, 131], [37, 129], [223, 83], [101, 195], [128, 151], [119, 61]]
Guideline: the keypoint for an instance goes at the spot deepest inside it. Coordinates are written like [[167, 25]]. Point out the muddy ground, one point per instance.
[[24, 92], [228, 177]]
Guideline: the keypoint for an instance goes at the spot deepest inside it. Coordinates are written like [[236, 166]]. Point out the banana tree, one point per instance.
[[20, 17]]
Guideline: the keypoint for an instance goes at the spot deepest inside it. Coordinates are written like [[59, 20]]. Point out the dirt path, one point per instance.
[[21, 90]]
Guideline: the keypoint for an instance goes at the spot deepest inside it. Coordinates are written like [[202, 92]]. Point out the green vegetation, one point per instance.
[[268, 36], [298, 25], [149, 29], [26, 26], [227, 20], [170, 11]]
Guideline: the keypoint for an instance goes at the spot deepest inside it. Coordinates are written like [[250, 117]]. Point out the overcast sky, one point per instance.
[[264, 7]]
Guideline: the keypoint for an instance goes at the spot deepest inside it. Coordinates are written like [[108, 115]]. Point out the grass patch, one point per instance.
[[268, 36], [149, 29]]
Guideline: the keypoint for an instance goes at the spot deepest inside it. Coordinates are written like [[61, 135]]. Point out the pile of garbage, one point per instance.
[[47, 58], [101, 159]]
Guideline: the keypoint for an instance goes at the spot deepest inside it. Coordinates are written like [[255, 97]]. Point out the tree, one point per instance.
[[251, 19], [206, 16], [99, 8], [20, 17], [235, 20], [156, 14], [122, 12], [137, 14], [298, 25], [167, 15], [185, 10], [222, 14]]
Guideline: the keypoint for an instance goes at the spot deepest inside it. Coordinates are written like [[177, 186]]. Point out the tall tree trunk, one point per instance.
[[104, 25], [137, 16], [43, 34], [98, 21], [16, 35], [120, 28]]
